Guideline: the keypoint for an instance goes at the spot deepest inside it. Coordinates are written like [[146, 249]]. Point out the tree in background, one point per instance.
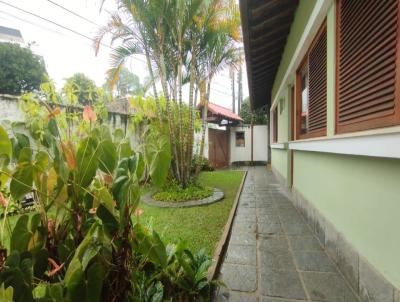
[[83, 88], [259, 115], [20, 69], [128, 84]]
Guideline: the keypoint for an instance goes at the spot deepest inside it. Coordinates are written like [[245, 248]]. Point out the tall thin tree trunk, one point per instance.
[[171, 129], [240, 88], [190, 134], [233, 89], [204, 124]]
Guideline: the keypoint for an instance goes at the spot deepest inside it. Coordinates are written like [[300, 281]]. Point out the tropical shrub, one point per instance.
[[84, 242]]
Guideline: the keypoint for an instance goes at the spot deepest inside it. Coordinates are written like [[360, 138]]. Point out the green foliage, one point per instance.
[[6, 294], [259, 115], [80, 88], [203, 162], [21, 70], [128, 84], [174, 192], [82, 239]]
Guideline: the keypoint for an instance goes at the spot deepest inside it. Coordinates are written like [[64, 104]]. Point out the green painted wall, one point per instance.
[[361, 197], [279, 161], [299, 23]]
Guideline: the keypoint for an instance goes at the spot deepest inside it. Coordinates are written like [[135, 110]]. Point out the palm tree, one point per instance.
[[184, 41]]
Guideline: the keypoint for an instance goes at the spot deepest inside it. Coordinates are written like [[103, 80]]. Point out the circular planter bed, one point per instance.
[[216, 196]]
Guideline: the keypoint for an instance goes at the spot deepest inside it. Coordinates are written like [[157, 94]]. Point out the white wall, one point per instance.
[[260, 145], [9, 110]]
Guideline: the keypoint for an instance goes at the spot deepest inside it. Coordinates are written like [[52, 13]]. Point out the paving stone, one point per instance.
[[244, 227], [304, 243], [373, 287], [246, 211], [276, 260], [241, 254], [328, 287], [295, 228], [269, 228], [269, 243], [245, 217], [316, 261], [234, 296], [262, 217], [243, 239], [267, 211], [239, 277], [284, 284]]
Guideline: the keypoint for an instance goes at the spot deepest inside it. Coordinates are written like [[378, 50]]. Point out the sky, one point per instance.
[[66, 53]]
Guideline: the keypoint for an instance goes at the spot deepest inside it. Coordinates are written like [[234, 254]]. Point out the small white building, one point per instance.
[[229, 142], [241, 147]]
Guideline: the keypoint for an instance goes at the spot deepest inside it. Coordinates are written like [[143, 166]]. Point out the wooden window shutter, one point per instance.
[[312, 75], [317, 74], [367, 36]]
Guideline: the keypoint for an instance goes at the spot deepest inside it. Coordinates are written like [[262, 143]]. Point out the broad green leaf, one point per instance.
[[125, 149], [95, 277], [20, 142], [87, 162], [25, 156], [74, 281], [6, 294], [158, 156], [53, 127], [140, 166], [41, 161], [118, 135], [20, 236], [21, 182], [107, 156], [5, 148]]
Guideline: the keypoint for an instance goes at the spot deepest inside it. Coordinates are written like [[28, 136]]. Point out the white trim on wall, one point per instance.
[[278, 146], [385, 145]]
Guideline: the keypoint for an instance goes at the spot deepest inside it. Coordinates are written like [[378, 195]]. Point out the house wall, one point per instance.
[[352, 201], [243, 154]]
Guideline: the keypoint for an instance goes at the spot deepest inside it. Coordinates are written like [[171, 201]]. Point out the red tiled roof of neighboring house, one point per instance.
[[225, 112]]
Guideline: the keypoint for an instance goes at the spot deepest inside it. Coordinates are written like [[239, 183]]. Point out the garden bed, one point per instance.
[[216, 195], [198, 227]]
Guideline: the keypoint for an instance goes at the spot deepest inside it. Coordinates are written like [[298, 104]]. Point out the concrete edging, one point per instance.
[[217, 196], [224, 241]]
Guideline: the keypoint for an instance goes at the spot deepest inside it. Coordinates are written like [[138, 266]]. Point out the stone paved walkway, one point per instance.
[[273, 256]]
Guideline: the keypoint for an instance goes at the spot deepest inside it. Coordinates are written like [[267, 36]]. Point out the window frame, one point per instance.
[[275, 124], [298, 98], [244, 139], [372, 123]]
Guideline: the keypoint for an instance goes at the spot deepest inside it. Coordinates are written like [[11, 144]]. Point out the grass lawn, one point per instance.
[[198, 227]]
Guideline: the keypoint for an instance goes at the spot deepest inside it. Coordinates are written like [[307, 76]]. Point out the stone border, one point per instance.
[[217, 196], [224, 241], [364, 279]]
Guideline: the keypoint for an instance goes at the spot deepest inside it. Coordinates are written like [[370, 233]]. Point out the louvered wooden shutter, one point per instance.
[[367, 52], [317, 83]]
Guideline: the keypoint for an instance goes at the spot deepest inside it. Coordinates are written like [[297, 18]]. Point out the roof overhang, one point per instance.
[[266, 25]]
